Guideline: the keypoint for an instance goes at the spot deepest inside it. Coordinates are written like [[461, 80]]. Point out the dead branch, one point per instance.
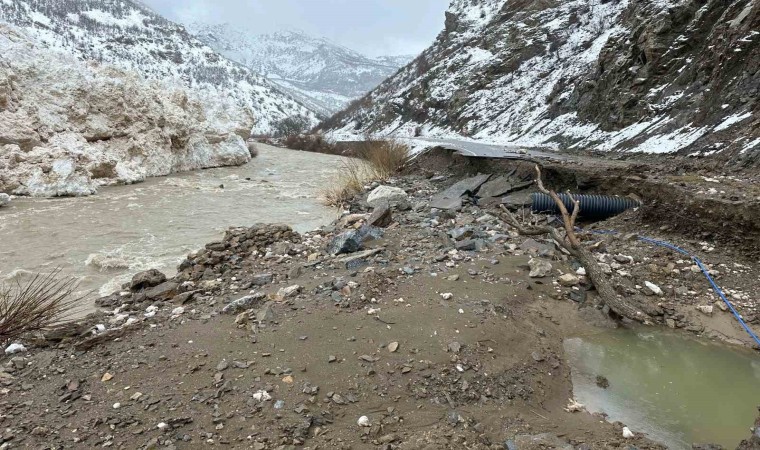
[[570, 242]]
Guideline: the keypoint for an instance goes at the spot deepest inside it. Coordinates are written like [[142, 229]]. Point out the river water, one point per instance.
[[106, 238], [675, 389]]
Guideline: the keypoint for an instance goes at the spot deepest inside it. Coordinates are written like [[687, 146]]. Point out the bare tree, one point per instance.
[[570, 242]]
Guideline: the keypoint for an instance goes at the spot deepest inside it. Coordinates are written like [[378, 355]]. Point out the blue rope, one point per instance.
[[704, 270]]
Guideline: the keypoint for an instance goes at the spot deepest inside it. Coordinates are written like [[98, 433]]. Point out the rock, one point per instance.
[[539, 268], [446, 203], [705, 309], [262, 279], [392, 347], [288, 292], [447, 295], [627, 433], [363, 421], [242, 303], [462, 187], [568, 280], [163, 291], [14, 348], [183, 298], [535, 247], [652, 289], [346, 242], [468, 245], [388, 195], [382, 216], [4, 199], [295, 271], [262, 396], [454, 347], [357, 259], [461, 233], [496, 187], [146, 279]]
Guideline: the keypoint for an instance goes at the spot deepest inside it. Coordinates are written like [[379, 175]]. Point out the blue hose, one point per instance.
[[705, 272]]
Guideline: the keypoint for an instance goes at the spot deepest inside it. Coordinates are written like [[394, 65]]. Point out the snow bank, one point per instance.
[[67, 127]]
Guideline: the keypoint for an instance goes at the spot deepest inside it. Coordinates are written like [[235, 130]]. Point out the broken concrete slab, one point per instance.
[[495, 187], [462, 187]]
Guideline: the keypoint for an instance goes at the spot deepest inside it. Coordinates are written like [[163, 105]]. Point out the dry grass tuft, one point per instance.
[[387, 157], [377, 160], [35, 305]]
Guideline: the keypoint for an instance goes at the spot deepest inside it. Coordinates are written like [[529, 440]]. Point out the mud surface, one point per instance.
[[434, 338]]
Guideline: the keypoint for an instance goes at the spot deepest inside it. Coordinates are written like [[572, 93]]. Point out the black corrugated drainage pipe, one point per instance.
[[592, 206]]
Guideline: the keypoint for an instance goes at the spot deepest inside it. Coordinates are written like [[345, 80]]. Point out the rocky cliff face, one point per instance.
[[67, 127], [656, 76], [128, 35], [321, 74]]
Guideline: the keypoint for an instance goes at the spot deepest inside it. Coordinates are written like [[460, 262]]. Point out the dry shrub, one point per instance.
[[35, 305], [377, 160], [386, 157], [352, 175], [311, 143]]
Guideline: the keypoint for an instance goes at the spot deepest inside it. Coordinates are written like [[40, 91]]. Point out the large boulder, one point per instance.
[[146, 279], [393, 196], [4, 199]]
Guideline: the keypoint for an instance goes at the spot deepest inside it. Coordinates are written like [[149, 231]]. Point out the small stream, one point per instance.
[[106, 238], [675, 389]]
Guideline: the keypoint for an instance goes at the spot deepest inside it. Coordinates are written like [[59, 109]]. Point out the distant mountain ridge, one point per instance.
[[657, 76], [322, 74], [130, 35]]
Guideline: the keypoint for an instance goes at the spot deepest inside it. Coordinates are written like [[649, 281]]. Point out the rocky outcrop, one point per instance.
[[67, 127], [674, 76]]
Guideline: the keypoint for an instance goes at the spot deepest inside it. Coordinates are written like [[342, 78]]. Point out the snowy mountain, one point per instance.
[[323, 75], [660, 76], [69, 126], [129, 35]]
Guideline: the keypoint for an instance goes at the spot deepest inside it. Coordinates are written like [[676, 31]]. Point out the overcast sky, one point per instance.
[[374, 27]]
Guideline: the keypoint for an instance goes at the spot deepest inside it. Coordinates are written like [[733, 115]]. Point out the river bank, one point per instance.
[[104, 240], [433, 335]]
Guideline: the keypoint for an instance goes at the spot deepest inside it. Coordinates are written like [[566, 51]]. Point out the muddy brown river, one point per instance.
[[104, 239]]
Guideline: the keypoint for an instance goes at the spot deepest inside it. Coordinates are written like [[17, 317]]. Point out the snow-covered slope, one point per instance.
[[645, 75], [67, 127], [322, 74], [127, 34]]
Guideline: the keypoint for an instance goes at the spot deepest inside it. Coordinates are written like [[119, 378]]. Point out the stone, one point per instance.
[[535, 247], [163, 291], [243, 303], [462, 187], [461, 233], [454, 204], [183, 298], [289, 292], [652, 289], [262, 279], [382, 216], [705, 309], [14, 348], [4, 199], [539, 268], [295, 271], [568, 280], [393, 196], [495, 187], [467, 245], [351, 241], [363, 421], [146, 279], [447, 295], [392, 347]]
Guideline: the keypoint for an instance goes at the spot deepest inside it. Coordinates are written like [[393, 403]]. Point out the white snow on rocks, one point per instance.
[[67, 127]]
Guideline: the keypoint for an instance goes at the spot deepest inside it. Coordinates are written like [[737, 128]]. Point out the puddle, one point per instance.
[[675, 389]]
